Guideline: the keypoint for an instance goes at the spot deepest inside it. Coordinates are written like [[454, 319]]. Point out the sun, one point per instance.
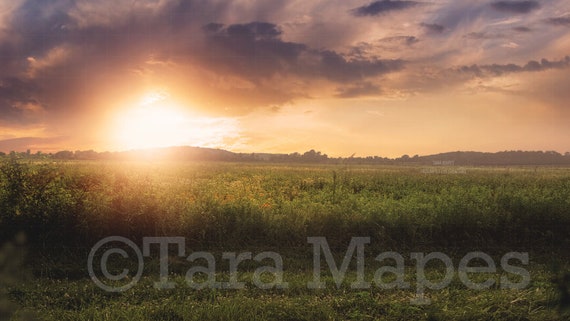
[[149, 127], [156, 121]]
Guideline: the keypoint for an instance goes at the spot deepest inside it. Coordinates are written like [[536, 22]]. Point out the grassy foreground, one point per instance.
[[65, 208]]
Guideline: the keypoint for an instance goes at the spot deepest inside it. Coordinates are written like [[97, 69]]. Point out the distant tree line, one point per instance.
[[311, 156]]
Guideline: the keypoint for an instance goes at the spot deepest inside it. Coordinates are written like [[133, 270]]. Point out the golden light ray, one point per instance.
[[156, 121]]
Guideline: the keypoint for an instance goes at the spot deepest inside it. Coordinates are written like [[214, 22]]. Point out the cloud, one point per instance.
[[18, 102], [255, 51], [504, 78], [522, 29], [400, 40], [433, 27], [510, 45], [358, 90], [337, 67], [483, 35], [393, 46], [560, 21], [76, 53], [516, 7], [531, 66], [383, 6]]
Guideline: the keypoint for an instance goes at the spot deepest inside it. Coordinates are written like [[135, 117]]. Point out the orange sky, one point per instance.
[[373, 78]]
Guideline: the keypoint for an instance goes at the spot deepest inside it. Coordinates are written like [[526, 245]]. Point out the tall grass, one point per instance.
[[68, 205], [232, 204]]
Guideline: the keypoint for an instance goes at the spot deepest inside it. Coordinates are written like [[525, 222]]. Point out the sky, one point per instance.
[[343, 77]]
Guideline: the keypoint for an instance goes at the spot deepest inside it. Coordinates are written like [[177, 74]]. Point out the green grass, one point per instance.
[[64, 208], [81, 300]]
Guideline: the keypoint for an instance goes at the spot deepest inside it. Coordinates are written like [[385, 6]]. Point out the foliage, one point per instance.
[[65, 207], [58, 203]]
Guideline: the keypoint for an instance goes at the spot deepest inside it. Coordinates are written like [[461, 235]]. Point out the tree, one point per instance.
[[64, 154], [87, 154], [314, 156]]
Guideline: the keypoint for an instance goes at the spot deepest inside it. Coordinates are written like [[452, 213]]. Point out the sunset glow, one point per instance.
[[157, 122], [367, 77], [150, 127]]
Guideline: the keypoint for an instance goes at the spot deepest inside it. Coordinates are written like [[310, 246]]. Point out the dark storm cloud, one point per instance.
[[40, 25], [122, 33], [517, 7], [337, 67], [17, 90], [433, 27], [359, 90], [531, 66], [380, 7], [559, 21], [256, 50], [253, 50], [17, 100]]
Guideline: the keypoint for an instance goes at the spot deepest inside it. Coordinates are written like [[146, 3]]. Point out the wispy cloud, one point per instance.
[[383, 6], [560, 21], [484, 35], [522, 29], [433, 27], [517, 7], [531, 66], [358, 90]]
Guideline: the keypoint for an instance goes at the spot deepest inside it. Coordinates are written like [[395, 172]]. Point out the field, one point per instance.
[[53, 213]]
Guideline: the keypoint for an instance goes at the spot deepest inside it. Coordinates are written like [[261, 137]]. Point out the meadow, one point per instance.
[[52, 213]]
